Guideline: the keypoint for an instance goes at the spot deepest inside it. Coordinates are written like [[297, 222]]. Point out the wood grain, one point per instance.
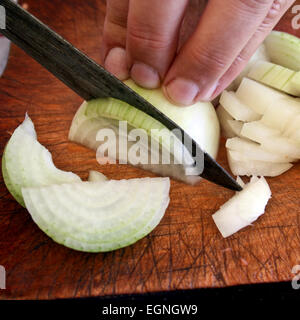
[[185, 251]]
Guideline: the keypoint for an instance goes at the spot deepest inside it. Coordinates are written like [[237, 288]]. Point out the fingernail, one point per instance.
[[145, 75], [208, 94], [182, 91], [116, 63]]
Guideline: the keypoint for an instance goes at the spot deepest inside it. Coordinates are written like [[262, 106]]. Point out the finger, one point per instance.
[[277, 10], [153, 28], [114, 38], [223, 31]]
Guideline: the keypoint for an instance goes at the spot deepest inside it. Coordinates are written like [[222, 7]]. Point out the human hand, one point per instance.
[[141, 41]]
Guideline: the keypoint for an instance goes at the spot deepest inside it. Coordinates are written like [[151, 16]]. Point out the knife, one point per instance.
[[90, 81]]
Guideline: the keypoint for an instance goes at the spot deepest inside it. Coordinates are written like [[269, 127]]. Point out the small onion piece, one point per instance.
[[255, 167], [258, 96], [237, 109], [281, 145], [280, 113], [254, 151], [257, 130], [243, 208]]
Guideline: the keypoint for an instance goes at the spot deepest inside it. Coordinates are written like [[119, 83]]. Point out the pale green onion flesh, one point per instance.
[[277, 77], [26, 163], [99, 216], [284, 49]]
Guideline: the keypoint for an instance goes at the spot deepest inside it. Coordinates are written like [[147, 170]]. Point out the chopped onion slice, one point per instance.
[[243, 208], [253, 151], [237, 109], [257, 130], [280, 113], [281, 145], [258, 96], [248, 167]]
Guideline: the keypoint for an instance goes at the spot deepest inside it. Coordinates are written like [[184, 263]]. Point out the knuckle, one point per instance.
[[212, 61], [117, 19], [114, 34], [147, 39]]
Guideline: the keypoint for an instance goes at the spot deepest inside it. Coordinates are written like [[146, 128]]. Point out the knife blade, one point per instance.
[[90, 81]]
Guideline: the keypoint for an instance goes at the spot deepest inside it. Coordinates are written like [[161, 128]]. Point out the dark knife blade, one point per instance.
[[88, 79]]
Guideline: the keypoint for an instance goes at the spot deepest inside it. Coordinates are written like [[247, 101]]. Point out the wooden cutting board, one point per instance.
[[185, 251]]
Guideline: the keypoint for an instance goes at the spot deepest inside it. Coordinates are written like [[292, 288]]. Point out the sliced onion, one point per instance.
[[284, 49], [237, 109], [248, 167], [257, 131], [26, 163], [277, 77], [257, 96], [99, 216], [254, 151], [243, 208]]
